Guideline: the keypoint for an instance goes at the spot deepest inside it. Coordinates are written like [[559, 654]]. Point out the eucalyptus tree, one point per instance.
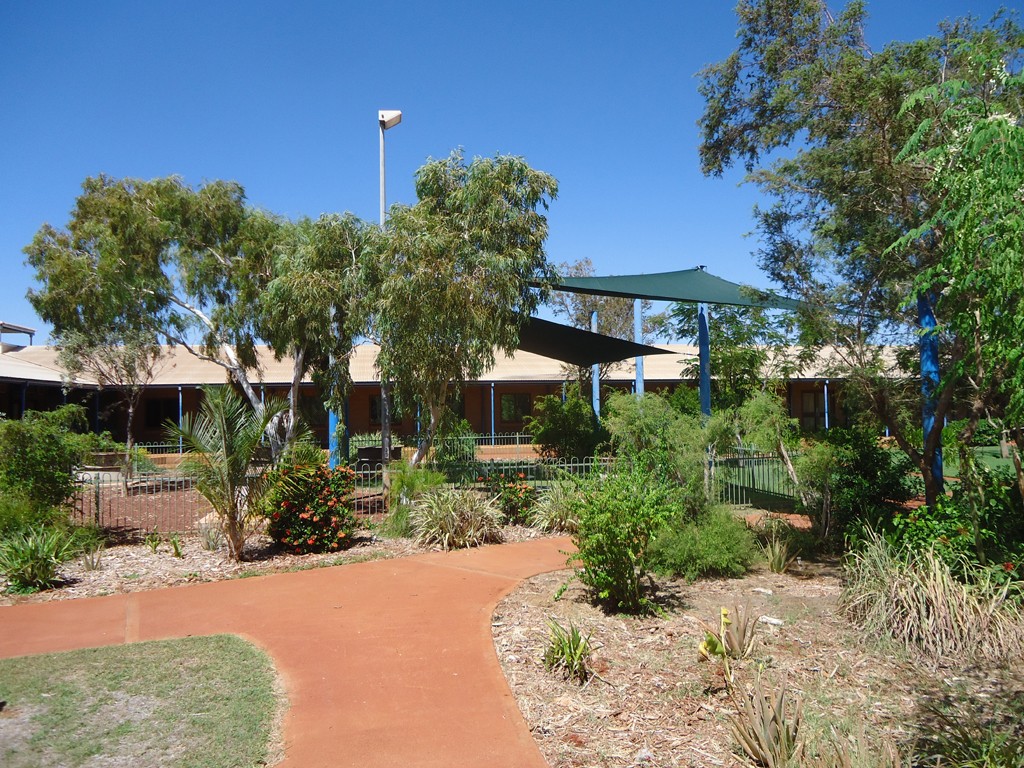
[[804, 79], [158, 262], [449, 282]]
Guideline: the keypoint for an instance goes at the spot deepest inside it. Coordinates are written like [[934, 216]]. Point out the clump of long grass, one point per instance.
[[452, 519], [914, 598], [555, 511]]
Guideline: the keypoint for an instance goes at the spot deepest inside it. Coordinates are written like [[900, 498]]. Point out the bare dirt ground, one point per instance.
[[655, 703]]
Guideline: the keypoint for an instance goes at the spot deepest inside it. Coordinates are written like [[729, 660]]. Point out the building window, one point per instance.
[[515, 406], [375, 409], [812, 416], [159, 412]]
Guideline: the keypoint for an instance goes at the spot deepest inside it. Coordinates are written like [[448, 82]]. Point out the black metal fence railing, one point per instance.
[[757, 479]]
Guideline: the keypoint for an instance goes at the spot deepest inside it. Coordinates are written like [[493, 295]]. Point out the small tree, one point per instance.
[[126, 363], [566, 429], [223, 443]]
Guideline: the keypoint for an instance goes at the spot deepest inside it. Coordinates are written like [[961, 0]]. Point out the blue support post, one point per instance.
[[595, 374], [492, 413], [826, 405], [638, 337], [181, 414], [930, 379], [704, 353], [332, 439]]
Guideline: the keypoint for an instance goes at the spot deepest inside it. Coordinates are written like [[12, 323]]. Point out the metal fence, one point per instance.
[[755, 478], [159, 497]]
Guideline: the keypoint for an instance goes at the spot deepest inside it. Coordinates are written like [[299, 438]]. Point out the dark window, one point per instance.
[[515, 406], [375, 409], [159, 412]]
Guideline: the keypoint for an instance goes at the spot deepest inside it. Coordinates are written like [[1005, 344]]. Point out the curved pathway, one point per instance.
[[385, 663]]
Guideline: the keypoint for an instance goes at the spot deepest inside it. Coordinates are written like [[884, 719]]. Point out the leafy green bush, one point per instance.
[[310, 508], [566, 429], [850, 480], [18, 513], [554, 511], [452, 519], [618, 515], [514, 496], [39, 454], [29, 559], [716, 544]]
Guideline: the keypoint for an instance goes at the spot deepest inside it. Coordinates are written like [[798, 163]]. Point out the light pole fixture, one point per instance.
[[386, 118]]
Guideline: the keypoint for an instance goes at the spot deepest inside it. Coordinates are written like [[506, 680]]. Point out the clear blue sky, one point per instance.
[[283, 98]]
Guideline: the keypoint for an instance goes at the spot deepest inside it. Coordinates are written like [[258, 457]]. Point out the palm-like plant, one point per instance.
[[223, 443]]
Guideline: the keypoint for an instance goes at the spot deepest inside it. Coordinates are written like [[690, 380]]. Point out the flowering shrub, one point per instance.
[[513, 494], [310, 509]]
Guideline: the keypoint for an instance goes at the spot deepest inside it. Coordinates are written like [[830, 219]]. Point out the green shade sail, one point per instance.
[[578, 347], [689, 285]]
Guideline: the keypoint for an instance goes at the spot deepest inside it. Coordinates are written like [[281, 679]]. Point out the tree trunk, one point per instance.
[[428, 437]]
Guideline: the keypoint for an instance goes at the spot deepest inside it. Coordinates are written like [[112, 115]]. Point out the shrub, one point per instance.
[[568, 652], [18, 513], [554, 511], [565, 429], [310, 508], [29, 559], [513, 495], [407, 485], [915, 599], [716, 544], [618, 515], [39, 454], [453, 519]]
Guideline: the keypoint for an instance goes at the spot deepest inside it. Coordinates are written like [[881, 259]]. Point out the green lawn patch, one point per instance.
[[202, 702]]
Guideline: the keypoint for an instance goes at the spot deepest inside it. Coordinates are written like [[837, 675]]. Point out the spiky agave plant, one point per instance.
[[223, 444]]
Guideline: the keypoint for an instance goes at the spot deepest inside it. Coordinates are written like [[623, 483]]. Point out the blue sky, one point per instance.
[[283, 98]]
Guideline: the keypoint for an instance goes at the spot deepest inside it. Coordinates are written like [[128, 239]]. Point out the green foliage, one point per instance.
[[449, 284], [223, 444], [514, 496], [29, 559], [153, 540], [310, 508], [964, 730], [685, 399], [18, 513], [648, 432], [715, 544], [566, 429], [915, 599], [777, 553], [568, 652], [848, 479], [555, 511], [408, 484], [39, 454], [968, 534], [452, 519], [767, 727], [455, 447], [618, 515]]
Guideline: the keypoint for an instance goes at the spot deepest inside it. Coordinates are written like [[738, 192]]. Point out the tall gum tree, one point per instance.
[[163, 263], [449, 281], [815, 117]]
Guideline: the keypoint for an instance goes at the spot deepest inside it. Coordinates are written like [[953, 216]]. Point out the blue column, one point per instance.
[[181, 413], [332, 439], [930, 379], [595, 374], [492, 413], [638, 337], [704, 351], [826, 405]]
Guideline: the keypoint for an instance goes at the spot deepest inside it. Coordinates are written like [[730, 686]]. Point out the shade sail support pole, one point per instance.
[[638, 337], [704, 357], [595, 374]]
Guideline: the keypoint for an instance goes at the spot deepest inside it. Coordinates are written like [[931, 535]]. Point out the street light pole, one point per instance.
[[386, 118]]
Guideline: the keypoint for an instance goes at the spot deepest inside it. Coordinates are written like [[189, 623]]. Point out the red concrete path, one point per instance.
[[385, 663]]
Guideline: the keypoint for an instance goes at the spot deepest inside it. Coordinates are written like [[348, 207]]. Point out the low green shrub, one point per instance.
[[565, 429], [568, 652], [618, 515], [554, 511], [19, 513], [716, 544], [514, 496], [310, 508], [39, 453], [29, 559], [453, 519]]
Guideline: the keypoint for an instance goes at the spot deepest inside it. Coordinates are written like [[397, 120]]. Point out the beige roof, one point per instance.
[[179, 367]]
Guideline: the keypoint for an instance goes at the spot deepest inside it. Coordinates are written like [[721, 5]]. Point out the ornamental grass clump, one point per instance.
[[452, 519], [915, 599], [310, 509], [767, 727], [554, 511], [29, 559], [568, 652]]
